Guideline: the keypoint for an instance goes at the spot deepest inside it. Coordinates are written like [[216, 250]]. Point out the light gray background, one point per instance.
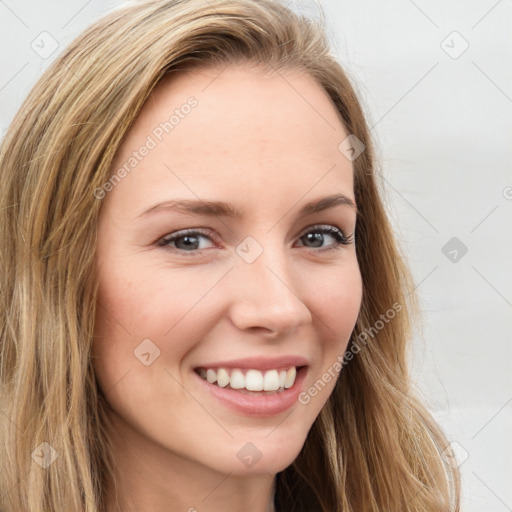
[[442, 123]]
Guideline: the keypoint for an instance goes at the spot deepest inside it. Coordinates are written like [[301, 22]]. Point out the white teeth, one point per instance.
[[211, 376], [237, 380], [253, 380], [222, 378], [290, 377], [271, 381]]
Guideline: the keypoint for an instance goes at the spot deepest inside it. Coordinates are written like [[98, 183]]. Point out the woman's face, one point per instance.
[[265, 290]]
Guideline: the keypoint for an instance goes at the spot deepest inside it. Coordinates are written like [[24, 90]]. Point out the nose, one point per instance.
[[267, 296]]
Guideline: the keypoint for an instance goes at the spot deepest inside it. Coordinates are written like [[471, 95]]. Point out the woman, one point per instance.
[[170, 339]]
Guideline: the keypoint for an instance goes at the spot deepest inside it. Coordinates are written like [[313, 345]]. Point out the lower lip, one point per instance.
[[261, 405]]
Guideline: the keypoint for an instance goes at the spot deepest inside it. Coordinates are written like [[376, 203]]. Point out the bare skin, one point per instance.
[[267, 144]]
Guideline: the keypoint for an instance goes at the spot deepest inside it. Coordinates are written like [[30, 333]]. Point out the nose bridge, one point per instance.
[[267, 294], [267, 263]]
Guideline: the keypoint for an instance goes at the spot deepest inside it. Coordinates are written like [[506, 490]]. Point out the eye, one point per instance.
[[189, 239], [316, 235]]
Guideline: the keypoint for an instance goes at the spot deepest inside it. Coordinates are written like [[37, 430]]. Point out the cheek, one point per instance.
[[145, 301], [335, 297], [125, 316], [337, 309], [140, 319], [137, 303]]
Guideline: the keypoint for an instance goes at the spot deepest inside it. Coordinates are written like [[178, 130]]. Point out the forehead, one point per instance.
[[234, 130]]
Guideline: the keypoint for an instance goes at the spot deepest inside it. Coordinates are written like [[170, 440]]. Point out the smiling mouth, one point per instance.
[[251, 381]]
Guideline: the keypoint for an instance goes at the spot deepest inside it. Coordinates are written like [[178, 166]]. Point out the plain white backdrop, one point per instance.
[[436, 82]]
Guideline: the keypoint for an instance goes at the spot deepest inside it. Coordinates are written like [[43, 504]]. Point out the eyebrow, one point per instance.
[[218, 208]]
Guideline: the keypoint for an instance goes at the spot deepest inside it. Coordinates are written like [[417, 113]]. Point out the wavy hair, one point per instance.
[[374, 446]]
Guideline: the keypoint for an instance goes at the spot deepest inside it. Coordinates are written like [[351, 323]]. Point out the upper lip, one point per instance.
[[259, 363]]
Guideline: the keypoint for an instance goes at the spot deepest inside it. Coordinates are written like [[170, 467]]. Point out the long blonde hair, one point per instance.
[[374, 447]]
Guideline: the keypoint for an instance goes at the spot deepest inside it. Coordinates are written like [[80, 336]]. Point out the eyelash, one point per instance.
[[336, 233]]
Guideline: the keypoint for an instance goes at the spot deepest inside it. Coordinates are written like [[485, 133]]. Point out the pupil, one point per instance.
[[189, 240], [315, 237]]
